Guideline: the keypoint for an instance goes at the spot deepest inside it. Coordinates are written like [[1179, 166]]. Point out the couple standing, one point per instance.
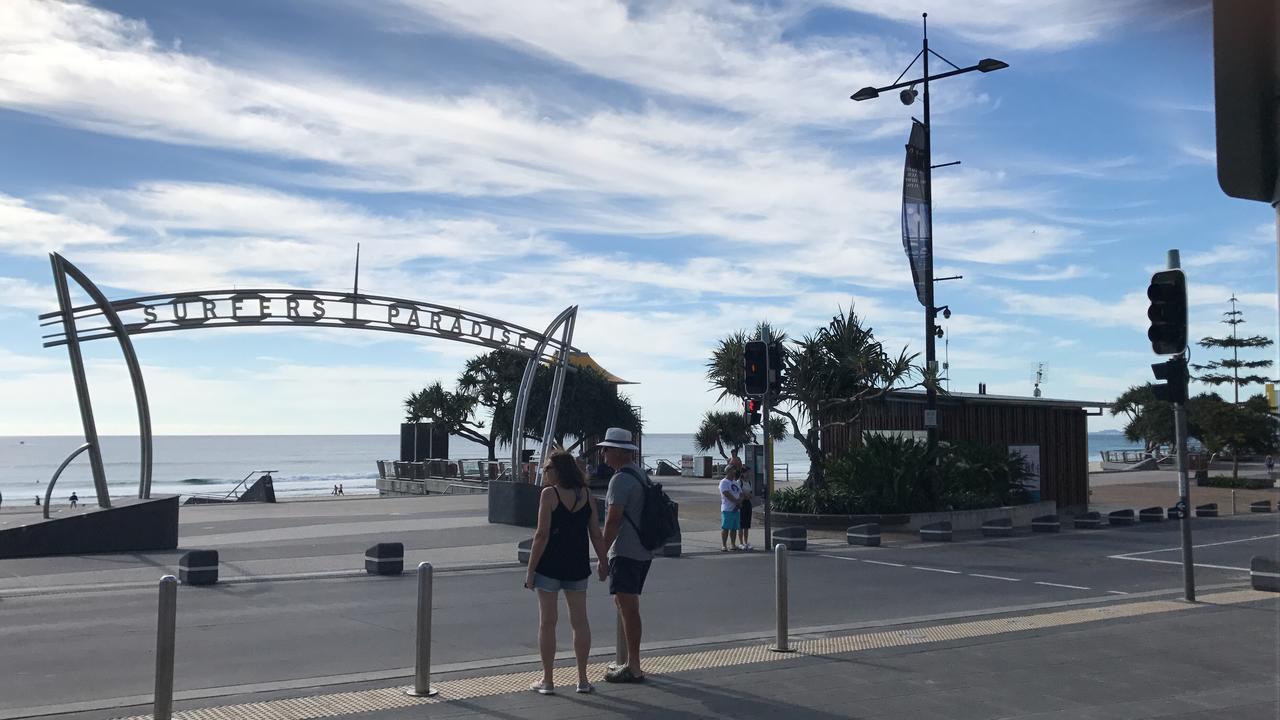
[[735, 507], [559, 559]]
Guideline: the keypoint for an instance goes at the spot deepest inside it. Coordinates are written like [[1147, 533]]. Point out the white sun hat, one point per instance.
[[618, 438]]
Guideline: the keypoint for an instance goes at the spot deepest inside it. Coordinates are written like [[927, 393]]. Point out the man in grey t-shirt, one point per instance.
[[628, 563]]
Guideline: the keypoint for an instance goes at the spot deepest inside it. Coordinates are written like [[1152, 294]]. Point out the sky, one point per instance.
[[678, 170]]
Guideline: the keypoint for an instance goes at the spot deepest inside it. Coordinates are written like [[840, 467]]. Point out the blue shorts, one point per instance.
[[549, 584], [731, 519]]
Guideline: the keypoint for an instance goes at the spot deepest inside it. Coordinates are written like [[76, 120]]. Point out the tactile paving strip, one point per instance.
[[337, 704]]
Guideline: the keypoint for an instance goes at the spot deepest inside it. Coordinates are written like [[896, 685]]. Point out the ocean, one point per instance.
[[302, 464]]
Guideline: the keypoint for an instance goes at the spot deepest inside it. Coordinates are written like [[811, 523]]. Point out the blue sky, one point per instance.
[[679, 170]]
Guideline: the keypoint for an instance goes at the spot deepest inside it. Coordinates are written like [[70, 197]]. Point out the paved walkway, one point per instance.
[[1147, 659]]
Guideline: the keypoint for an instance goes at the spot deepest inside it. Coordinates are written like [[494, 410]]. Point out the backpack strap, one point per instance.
[[644, 482]]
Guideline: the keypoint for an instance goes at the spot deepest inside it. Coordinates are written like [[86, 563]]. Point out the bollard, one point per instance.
[[620, 647], [1233, 502], [780, 581], [422, 659], [166, 632]]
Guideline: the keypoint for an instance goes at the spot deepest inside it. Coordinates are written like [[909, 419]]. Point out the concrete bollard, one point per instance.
[[523, 550], [1264, 574], [384, 559], [422, 656], [1175, 512], [1260, 506], [795, 538], [868, 535], [998, 527], [1207, 510], [1089, 521], [781, 641], [1046, 524], [1121, 518], [166, 639], [1152, 514], [198, 567], [936, 532]]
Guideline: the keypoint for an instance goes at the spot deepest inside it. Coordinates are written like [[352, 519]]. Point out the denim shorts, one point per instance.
[[549, 584]]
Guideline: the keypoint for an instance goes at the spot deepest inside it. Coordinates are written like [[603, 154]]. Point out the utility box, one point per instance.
[[702, 466], [753, 461]]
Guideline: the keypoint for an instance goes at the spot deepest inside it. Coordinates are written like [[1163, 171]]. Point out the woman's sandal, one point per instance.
[[585, 688], [542, 688]]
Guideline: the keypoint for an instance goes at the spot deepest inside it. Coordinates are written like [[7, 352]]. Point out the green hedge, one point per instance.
[[892, 475], [1241, 483]]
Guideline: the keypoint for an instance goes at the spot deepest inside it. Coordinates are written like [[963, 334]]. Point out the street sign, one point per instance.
[[931, 418]]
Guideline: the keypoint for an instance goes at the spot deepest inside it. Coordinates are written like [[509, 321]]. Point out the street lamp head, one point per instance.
[[987, 65], [908, 95], [866, 93]]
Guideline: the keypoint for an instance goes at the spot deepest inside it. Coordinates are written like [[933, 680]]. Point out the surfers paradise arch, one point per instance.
[[268, 307]]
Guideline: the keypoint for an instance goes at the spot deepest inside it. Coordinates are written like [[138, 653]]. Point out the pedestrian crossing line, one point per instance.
[[362, 701], [1060, 585]]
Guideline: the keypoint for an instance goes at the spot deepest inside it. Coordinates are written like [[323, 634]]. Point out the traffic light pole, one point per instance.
[[768, 476], [1184, 484]]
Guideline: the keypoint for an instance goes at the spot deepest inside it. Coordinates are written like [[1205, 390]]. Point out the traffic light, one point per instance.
[[775, 368], [1168, 312], [753, 411], [755, 380], [1174, 374]]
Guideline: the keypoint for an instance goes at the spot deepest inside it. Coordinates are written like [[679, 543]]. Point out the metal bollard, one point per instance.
[[166, 636], [422, 660], [1233, 502], [620, 649], [780, 581]]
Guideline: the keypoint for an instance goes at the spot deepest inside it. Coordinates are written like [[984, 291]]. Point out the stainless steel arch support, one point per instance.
[[62, 268], [564, 322]]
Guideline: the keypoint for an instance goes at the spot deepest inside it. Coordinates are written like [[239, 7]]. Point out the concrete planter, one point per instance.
[[514, 503], [1018, 515]]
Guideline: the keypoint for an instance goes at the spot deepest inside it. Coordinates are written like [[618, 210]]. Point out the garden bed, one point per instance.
[[1240, 483], [1020, 515]]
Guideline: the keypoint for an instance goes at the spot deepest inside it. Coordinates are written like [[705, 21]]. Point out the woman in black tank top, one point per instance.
[[559, 560]]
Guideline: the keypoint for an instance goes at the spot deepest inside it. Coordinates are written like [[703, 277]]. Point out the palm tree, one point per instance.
[[730, 429], [828, 377]]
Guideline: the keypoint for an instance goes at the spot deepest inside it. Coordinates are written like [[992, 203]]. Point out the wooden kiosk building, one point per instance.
[[1057, 428]]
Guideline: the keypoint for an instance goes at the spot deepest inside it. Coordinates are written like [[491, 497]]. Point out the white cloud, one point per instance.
[[1021, 25], [25, 230], [23, 294]]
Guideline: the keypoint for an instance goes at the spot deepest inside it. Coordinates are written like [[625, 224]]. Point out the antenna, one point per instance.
[[355, 291], [1041, 375]]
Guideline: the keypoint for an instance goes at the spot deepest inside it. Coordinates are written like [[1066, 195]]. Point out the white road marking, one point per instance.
[[1069, 587], [841, 557], [1127, 556], [949, 572], [1117, 592], [881, 562], [1178, 562], [995, 577]]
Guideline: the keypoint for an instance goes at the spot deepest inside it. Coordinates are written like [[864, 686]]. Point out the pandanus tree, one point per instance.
[[828, 378]]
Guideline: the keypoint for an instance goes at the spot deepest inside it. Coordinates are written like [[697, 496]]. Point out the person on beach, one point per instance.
[[75, 499], [340, 489], [730, 508], [558, 561], [335, 491], [629, 561], [1271, 466]]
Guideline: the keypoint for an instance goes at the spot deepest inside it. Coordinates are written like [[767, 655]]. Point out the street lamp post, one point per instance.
[[931, 310]]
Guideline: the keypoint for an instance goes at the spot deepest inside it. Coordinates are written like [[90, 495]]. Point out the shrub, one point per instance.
[[977, 476], [826, 501], [1241, 483], [888, 474]]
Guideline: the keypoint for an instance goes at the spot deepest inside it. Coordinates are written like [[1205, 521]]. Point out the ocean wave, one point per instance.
[[200, 481]]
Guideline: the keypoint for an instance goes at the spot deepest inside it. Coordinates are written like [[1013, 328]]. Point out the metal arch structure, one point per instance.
[[271, 307], [564, 323]]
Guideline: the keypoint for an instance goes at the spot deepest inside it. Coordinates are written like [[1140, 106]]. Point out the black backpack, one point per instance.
[[659, 519]]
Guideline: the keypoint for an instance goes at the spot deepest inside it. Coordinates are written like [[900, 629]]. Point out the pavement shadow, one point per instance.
[[711, 699]]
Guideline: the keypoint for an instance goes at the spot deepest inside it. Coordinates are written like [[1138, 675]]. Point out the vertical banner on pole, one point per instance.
[[915, 211]]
